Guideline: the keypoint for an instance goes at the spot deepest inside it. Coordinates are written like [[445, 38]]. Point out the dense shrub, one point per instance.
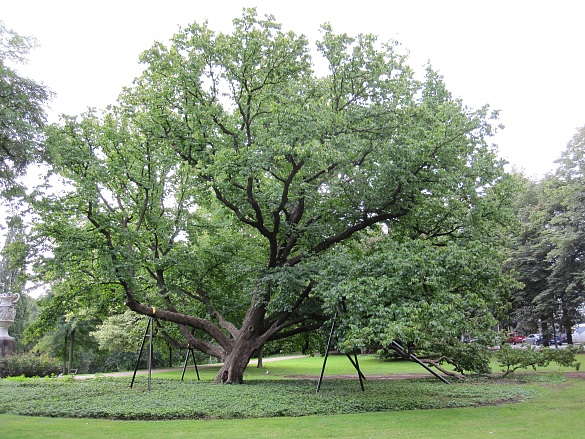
[[511, 359], [29, 365]]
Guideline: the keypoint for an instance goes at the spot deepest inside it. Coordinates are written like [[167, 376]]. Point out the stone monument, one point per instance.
[[7, 315]]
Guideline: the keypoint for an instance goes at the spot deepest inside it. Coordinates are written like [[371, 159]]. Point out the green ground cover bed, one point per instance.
[[112, 398]]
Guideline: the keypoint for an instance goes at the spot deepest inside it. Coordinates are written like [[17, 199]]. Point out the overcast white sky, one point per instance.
[[522, 57]]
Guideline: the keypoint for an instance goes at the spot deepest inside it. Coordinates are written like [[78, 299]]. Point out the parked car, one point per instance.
[[514, 338], [556, 341], [533, 339]]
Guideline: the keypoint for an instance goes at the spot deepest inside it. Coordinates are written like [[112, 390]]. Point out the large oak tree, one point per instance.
[[212, 193]]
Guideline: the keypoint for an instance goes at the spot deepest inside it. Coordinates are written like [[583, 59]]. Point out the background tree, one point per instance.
[[22, 114], [13, 277], [549, 253], [121, 335], [13, 258], [69, 339], [567, 234], [212, 193], [22, 118], [529, 257]]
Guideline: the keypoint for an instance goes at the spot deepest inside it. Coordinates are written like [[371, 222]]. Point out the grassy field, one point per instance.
[[309, 366], [370, 365], [556, 411]]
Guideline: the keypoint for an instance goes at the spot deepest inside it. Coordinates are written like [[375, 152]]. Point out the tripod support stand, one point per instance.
[[147, 335], [395, 346], [190, 351], [354, 361]]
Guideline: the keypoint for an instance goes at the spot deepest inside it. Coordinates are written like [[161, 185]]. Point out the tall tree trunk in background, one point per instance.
[[65, 354], [71, 341], [260, 355]]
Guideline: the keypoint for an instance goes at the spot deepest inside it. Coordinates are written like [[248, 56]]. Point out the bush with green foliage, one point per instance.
[[513, 359], [29, 365]]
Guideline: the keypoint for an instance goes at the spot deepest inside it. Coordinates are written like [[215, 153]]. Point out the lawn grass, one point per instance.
[[553, 411], [370, 365], [556, 413], [308, 366]]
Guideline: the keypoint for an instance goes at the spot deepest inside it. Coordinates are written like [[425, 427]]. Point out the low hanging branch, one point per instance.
[[436, 363]]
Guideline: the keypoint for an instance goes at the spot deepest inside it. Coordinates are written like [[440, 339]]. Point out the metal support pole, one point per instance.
[[185, 365], [140, 352], [190, 351], [326, 352], [354, 362], [150, 354], [416, 360]]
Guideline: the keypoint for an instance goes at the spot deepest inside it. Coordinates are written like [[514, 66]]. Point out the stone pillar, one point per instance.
[[7, 315]]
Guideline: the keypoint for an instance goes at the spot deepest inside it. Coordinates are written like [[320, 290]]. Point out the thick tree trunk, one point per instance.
[[247, 341], [233, 346], [232, 370]]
